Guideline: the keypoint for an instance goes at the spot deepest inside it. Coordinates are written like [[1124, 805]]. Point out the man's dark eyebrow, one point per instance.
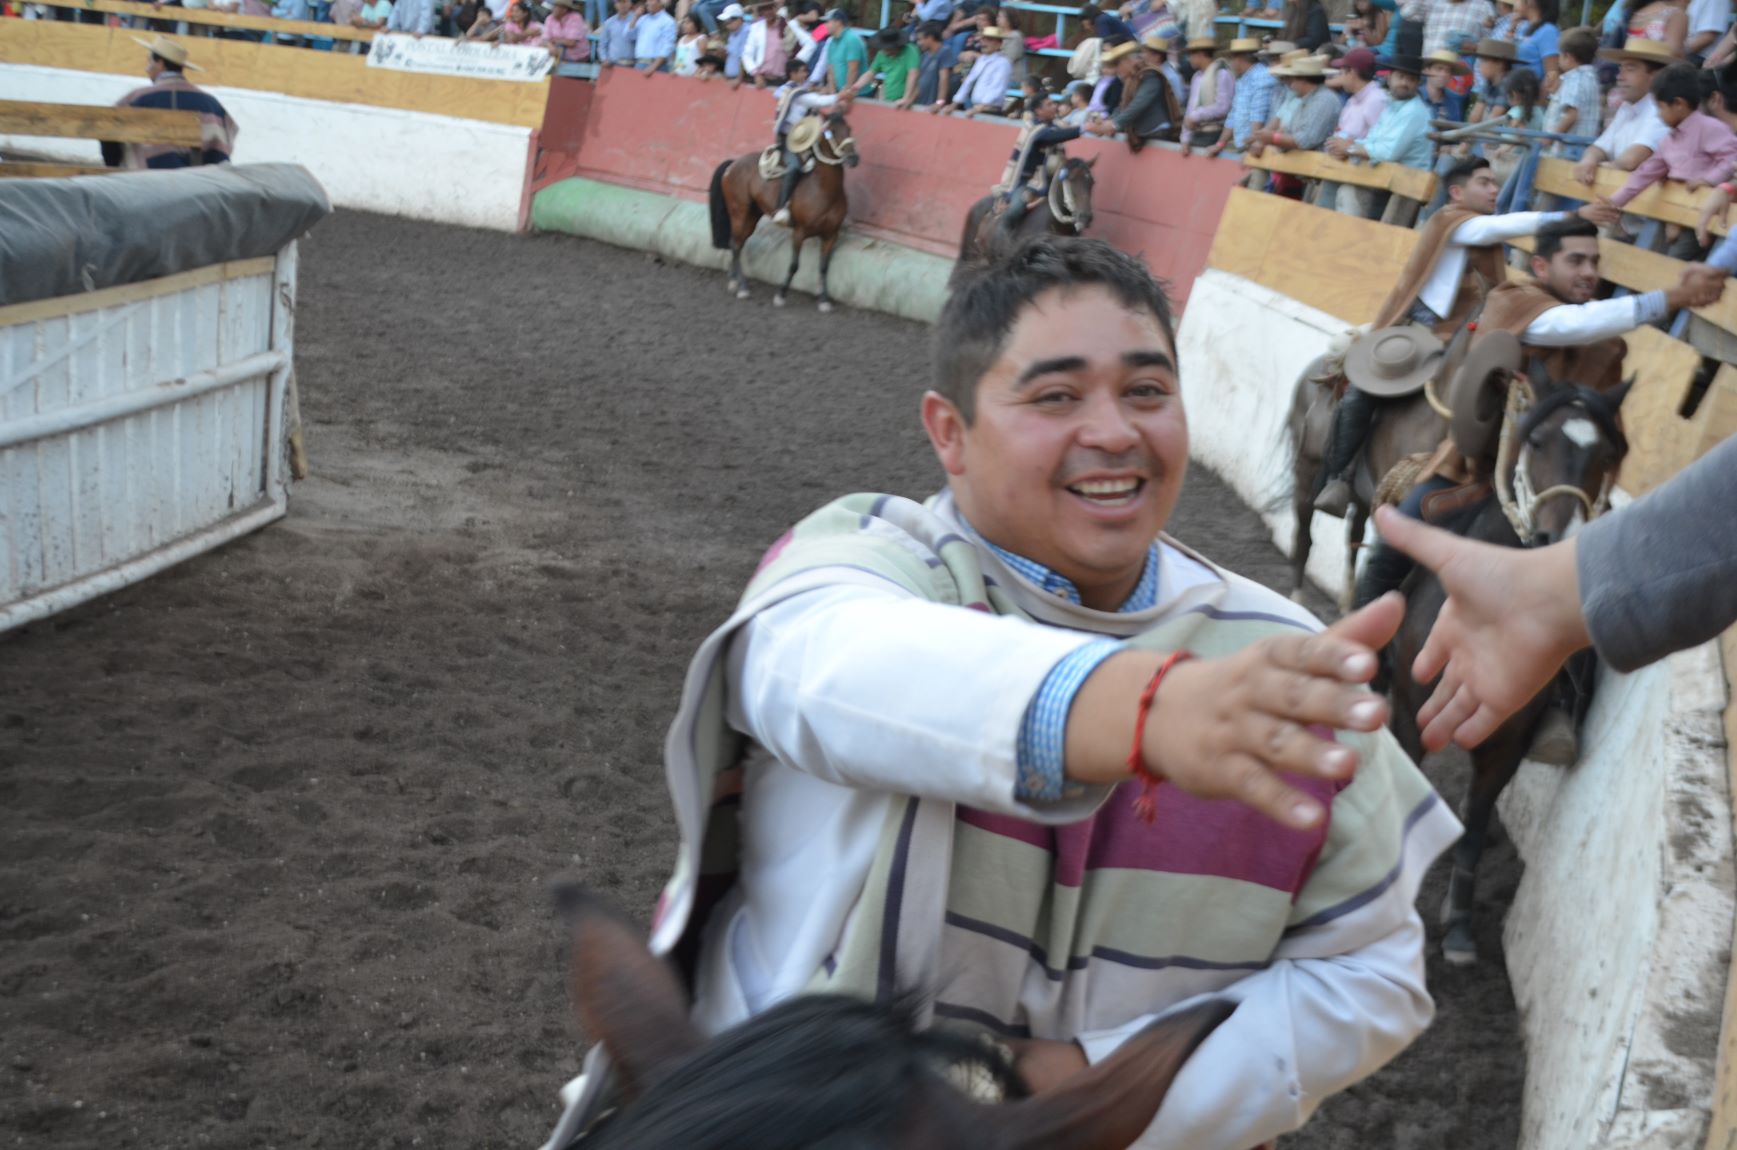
[[1149, 359], [1056, 366]]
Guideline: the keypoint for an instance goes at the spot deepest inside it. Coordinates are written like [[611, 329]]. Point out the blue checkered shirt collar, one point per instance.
[[1143, 598]]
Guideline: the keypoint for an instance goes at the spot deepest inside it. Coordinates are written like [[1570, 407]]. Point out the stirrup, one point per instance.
[[1335, 499], [782, 216]]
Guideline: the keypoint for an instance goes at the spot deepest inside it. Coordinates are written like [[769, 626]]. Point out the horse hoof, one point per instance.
[[825, 306], [777, 301], [743, 293]]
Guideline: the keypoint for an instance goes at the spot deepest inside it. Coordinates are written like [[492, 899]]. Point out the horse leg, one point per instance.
[[1356, 520], [797, 237], [826, 244], [738, 278], [1493, 767], [1303, 510]]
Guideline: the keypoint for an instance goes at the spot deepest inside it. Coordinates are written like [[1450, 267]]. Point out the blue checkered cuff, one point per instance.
[[1043, 732]]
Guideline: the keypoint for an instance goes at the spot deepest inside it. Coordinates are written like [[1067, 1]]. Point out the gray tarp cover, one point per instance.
[[63, 237]]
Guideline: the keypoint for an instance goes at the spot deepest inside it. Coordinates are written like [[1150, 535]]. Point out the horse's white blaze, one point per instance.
[[1581, 433]]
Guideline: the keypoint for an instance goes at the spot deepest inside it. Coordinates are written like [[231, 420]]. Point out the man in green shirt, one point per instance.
[[845, 54], [893, 63]]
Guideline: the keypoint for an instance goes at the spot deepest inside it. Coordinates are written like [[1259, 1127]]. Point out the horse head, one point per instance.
[[1569, 445], [833, 1070], [836, 138], [1073, 182]]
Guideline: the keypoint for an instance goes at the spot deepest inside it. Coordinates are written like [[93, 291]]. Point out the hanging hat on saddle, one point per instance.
[[1477, 393], [1490, 49], [1646, 51], [1393, 361], [1202, 44], [1119, 52], [1243, 46], [803, 134], [167, 50], [1449, 57]]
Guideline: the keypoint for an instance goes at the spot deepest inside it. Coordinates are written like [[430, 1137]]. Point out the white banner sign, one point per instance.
[[460, 58]]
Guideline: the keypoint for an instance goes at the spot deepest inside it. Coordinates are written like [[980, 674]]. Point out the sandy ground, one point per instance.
[[275, 826]]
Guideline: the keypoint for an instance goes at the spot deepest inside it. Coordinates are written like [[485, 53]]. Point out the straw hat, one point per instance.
[[1450, 58], [1120, 51], [803, 134], [1646, 51], [1202, 44], [1156, 43], [994, 33], [1393, 361], [167, 49], [1244, 46], [1296, 54], [1308, 68], [1497, 50], [1276, 49]]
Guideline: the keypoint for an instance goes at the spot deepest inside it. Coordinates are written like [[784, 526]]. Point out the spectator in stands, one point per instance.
[[1210, 92], [1400, 136], [1666, 21], [965, 34], [1147, 104], [1306, 24], [1012, 43], [1576, 107], [930, 12], [1105, 25], [1455, 24], [1366, 98], [1698, 149], [1304, 123], [519, 27], [166, 66], [1496, 60], [484, 27], [763, 57], [1366, 26], [1538, 50], [733, 28], [845, 57], [804, 26], [1079, 96], [1439, 70], [1708, 20], [1635, 130], [985, 86], [289, 10], [934, 69], [689, 44], [413, 16], [1252, 101], [894, 62], [1508, 25], [1158, 49], [372, 14], [566, 34], [654, 38]]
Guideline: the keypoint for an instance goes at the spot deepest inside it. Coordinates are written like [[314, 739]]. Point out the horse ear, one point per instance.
[[1108, 1106], [1090, 161], [627, 999], [1620, 392]]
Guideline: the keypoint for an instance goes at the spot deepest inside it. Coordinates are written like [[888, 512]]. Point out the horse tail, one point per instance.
[[720, 209]]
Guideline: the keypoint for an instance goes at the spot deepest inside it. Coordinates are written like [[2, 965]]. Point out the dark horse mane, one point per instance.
[[768, 1085]]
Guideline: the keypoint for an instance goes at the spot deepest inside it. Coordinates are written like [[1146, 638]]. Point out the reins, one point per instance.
[[1512, 482]]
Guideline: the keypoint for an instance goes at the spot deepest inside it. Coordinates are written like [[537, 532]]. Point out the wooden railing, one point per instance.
[[208, 17], [1411, 187], [91, 122]]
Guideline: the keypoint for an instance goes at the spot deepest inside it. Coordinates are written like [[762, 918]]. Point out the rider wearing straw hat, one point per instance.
[[170, 89], [798, 131]]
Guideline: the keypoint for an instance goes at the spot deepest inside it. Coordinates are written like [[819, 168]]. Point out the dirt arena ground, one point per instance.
[[275, 827]]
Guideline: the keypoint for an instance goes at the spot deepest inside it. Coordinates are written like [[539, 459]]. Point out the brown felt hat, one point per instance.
[[1490, 49], [1477, 393], [1646, 51], [1393, 361]]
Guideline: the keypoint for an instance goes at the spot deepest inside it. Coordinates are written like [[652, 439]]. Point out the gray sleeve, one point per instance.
[[1661, 575]]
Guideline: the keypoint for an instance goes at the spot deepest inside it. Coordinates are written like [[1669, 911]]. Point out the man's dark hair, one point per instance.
[[1549, 11], [933, 31], [1461, 173], [1678, 82], [1580, 44], [168, 64], [987, 300], [1551, 235]]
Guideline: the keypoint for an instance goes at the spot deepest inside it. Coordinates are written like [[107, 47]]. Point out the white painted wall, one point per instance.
[[1618, 942], [378, 159]]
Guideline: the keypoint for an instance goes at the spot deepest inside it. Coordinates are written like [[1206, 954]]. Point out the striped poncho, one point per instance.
[[1075, 920]]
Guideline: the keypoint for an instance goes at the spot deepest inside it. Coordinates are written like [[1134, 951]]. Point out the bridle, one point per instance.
[[1062, 204], [839, 150], [1520, 418]]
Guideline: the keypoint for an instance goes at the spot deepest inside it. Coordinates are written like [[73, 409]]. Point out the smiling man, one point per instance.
[[913, 761]]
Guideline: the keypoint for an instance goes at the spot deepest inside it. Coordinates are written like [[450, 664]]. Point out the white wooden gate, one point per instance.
[[139, 426]]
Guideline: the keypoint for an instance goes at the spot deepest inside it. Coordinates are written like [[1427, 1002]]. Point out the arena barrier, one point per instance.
[[919, 174], [145, 422], [452, 149], [1619, 940]]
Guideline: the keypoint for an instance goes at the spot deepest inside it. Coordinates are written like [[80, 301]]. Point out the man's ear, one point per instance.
[[1540, 268], [947, 428]]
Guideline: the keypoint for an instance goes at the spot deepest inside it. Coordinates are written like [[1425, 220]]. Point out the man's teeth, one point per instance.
[[1110, 491]]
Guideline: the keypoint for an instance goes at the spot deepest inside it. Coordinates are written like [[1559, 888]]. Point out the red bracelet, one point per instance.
[[1146, 806], [1730, 189]]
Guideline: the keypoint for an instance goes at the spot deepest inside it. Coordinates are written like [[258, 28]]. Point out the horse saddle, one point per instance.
[[1441, 507], [772, 163]]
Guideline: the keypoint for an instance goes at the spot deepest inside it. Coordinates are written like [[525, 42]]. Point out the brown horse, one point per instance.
[[1066, 211], [827, 1070], [1405, 427], [740, 195], [1569, 446]]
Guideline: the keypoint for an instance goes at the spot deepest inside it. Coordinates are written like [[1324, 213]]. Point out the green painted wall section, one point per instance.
[[865, 273]]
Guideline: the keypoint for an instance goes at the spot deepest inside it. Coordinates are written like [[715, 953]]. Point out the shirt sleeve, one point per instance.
[[1653, 578], [1572, 325], [1480, 231], [1650, 172], [1724, 255], [876, 689], [1225, 93], [1042, 749]]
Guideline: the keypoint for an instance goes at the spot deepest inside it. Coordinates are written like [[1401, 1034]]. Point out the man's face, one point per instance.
[[1300, 88], [1491, 69], [732, 24], [1478, 193], [1240, 64], [1675, 112], [1078, 449], [927, 43], [653, 7], [1044, 110], [1402, 85], [835, 27], [153, 68], [1439, 73], [1200, 61], [1572, 273], [1634, 79]]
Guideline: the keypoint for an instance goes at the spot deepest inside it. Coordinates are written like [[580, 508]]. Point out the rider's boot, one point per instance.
[[792, 173], [1016, 211], [1351, 423]]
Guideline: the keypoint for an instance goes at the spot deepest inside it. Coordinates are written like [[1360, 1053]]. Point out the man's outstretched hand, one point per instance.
[[1511, 619], [1230, 727]]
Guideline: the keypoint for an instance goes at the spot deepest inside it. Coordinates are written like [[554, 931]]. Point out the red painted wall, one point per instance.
[[919, 172]]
